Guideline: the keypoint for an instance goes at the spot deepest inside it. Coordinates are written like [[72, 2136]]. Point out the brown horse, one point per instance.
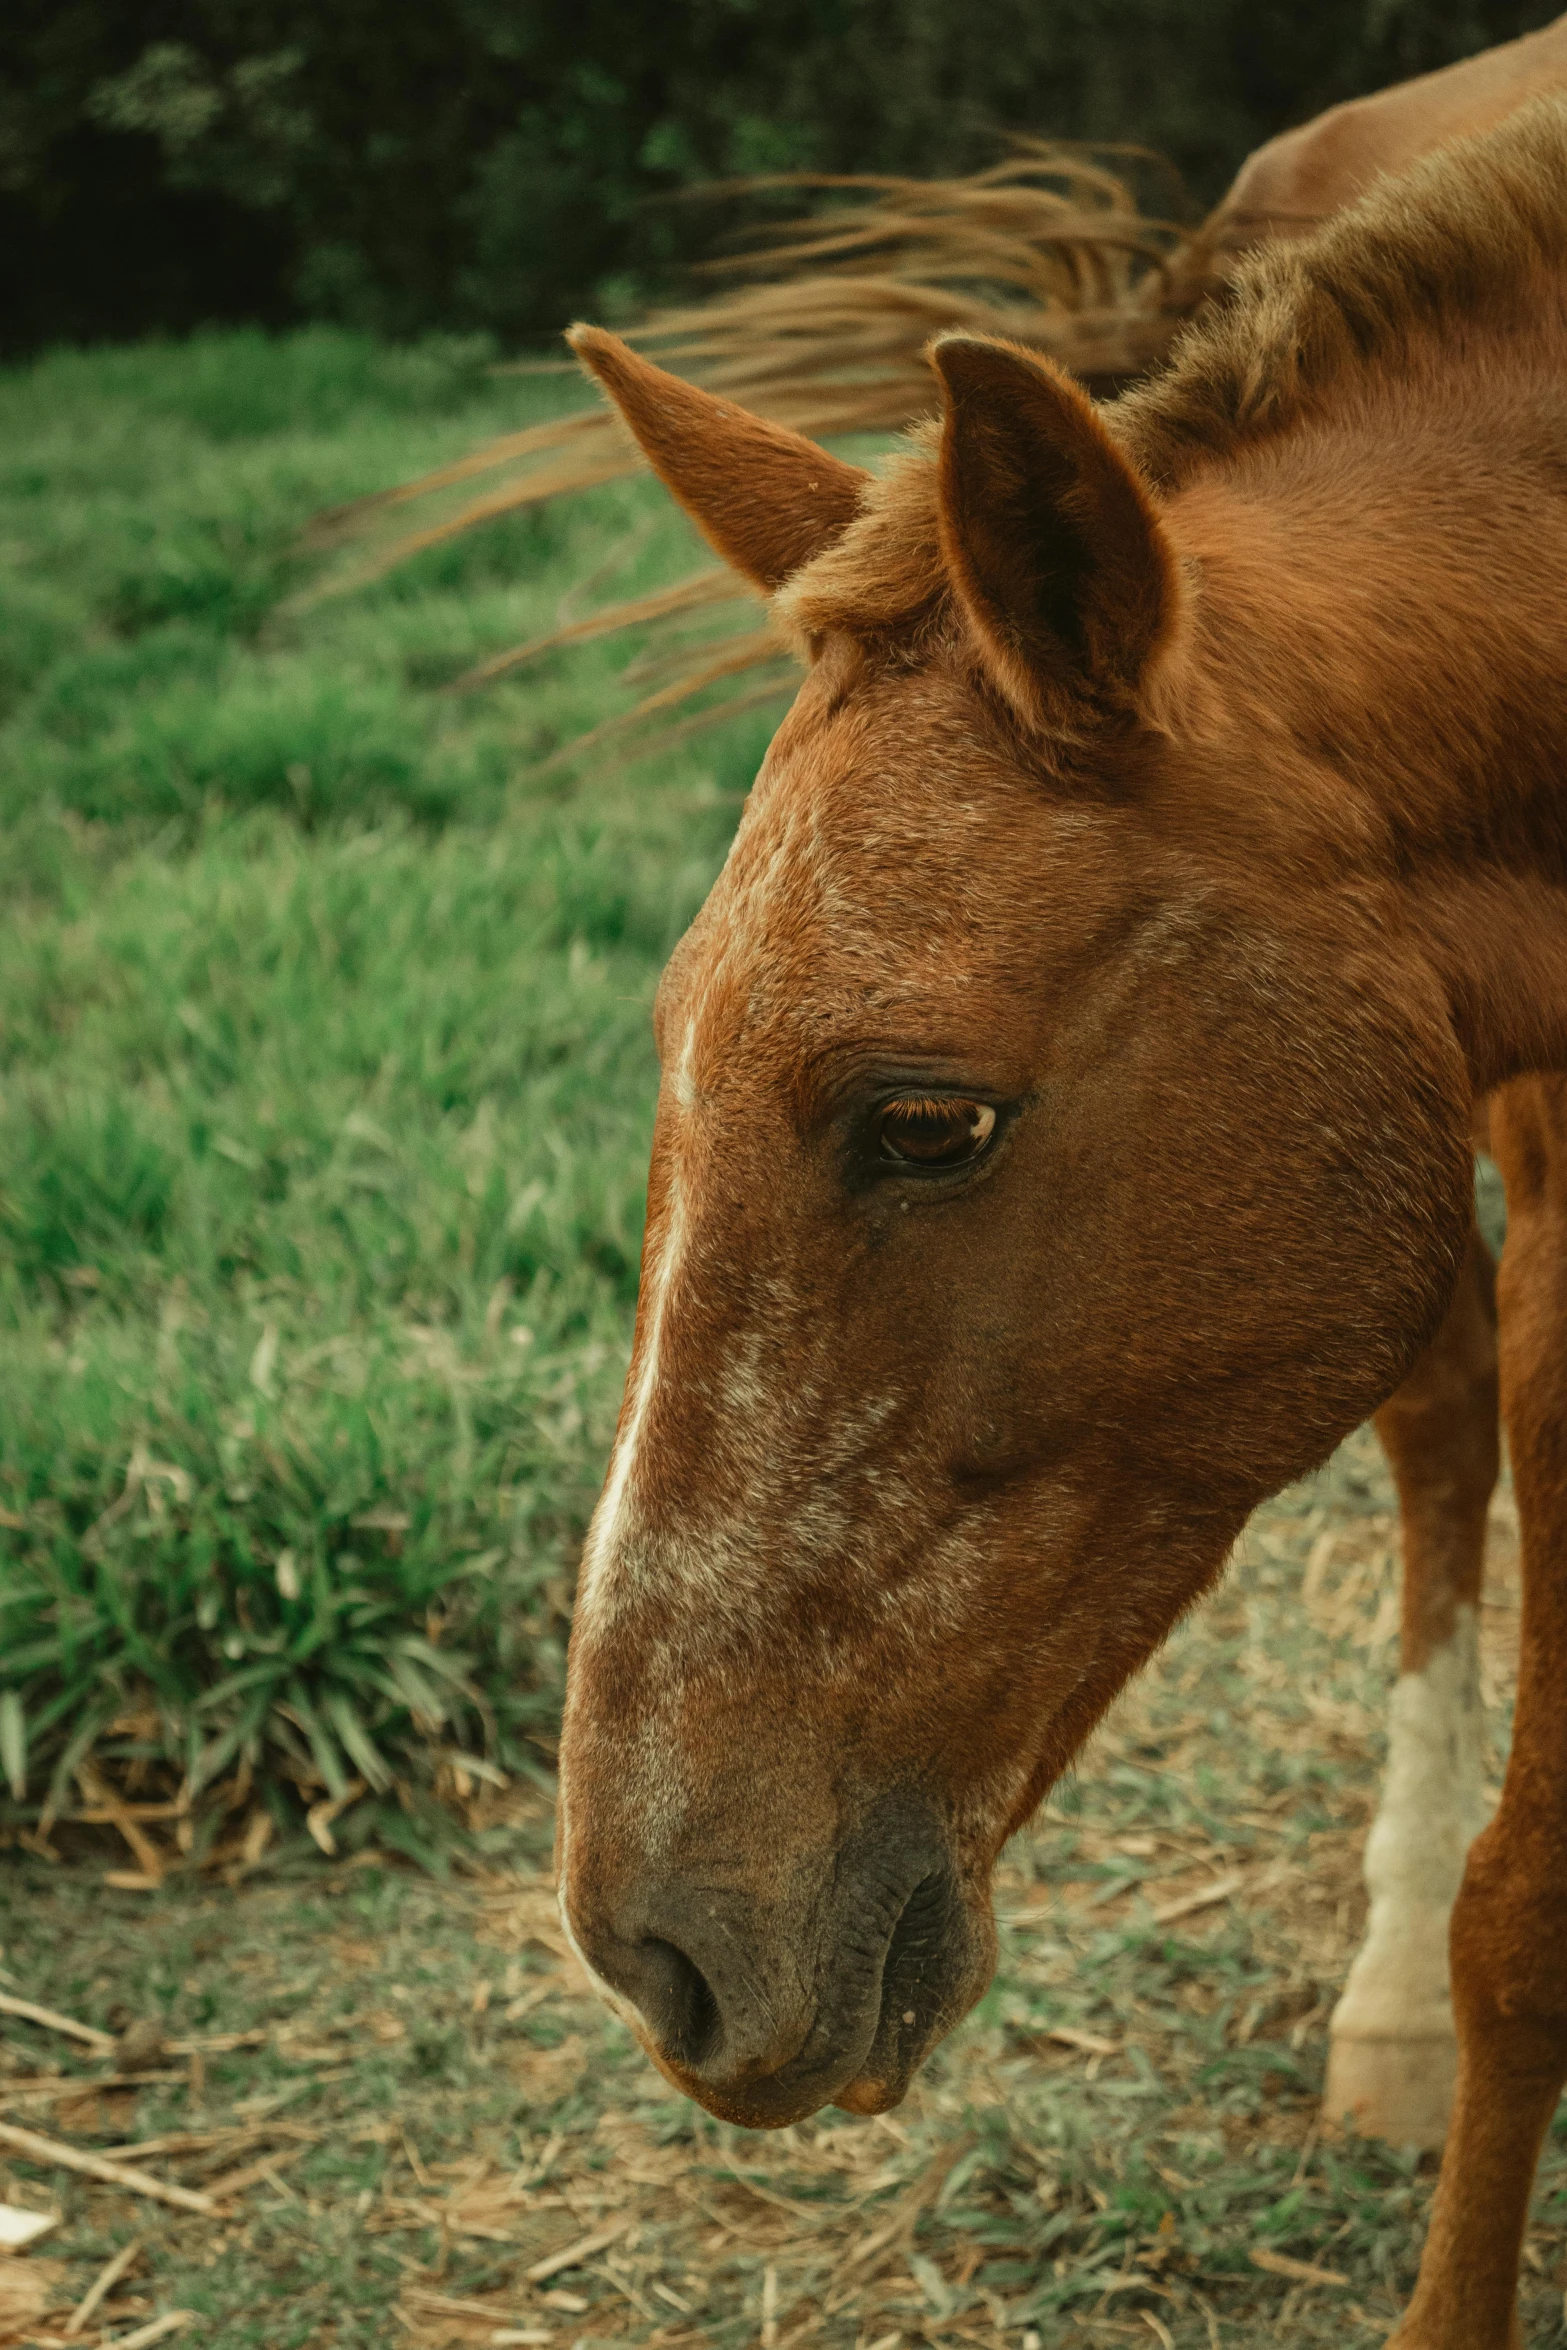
[[1065, 1129]]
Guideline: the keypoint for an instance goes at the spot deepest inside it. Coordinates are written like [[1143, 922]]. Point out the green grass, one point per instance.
[[324, 1073], [431, 2061], [325, 1080]]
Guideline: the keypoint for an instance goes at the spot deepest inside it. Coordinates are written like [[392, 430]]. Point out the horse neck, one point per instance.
[[1378, 655]]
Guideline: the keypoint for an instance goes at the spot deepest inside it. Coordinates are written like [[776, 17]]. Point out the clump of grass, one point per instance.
[[325, 1078]]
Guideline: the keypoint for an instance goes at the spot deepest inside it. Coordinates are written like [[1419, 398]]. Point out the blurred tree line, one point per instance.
[[504, 164]]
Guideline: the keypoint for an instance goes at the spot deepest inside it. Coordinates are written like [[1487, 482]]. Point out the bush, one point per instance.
[[499, 164]]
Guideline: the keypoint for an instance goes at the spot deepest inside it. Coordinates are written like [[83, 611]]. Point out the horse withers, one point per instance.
[[1064, 1136]]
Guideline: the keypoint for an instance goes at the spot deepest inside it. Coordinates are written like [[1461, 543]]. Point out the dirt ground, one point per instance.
[[412, 2124]]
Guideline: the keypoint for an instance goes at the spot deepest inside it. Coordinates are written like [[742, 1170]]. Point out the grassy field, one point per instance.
[[324, 1079], [324, 1090], [1121, 2146]]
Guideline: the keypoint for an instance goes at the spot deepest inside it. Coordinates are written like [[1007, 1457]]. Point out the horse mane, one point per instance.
[[1470, 235], [1474, 234]]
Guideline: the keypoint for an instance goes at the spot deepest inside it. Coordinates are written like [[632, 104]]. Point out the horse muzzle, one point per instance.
[[765, 2006]]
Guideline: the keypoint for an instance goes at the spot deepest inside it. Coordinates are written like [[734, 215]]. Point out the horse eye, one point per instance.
[[935, 1130]]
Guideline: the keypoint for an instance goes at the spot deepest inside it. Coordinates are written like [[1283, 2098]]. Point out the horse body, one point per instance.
[[1392, 2047], [1296, 181], [1064, 1140]]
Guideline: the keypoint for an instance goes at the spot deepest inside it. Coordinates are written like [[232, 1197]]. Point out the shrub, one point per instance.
[[501, 164]]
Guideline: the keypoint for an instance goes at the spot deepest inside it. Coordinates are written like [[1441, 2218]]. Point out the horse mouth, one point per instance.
[[919, 1987], [927, 1981]]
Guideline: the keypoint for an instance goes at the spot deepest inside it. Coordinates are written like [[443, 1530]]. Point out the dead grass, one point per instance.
[[420, 2127]]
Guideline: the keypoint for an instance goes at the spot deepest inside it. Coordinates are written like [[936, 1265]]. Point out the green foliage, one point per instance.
[[498, 164], [324, 1076]]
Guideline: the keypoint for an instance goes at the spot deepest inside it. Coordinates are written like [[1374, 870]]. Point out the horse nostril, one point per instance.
[[678, 2002]]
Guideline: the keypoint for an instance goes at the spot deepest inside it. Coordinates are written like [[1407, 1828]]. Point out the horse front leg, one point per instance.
[[1509, 1937], [1393, 2051]]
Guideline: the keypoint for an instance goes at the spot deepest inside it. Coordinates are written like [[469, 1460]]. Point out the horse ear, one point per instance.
[[766, 499], [1050, 538]]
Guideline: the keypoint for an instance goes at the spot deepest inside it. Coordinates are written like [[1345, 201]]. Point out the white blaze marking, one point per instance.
[[685, 1089], [604, 1533], [1399, 1997]]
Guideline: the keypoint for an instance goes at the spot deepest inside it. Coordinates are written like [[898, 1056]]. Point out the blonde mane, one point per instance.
[[1474, 234]]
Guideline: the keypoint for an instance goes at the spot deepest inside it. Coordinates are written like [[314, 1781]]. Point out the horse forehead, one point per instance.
[[812, 943], [858, 859]]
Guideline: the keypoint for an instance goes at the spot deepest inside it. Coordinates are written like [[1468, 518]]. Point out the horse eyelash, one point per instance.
[[928, 1105]]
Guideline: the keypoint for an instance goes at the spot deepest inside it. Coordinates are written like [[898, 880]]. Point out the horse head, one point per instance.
[[1058, 1149]]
